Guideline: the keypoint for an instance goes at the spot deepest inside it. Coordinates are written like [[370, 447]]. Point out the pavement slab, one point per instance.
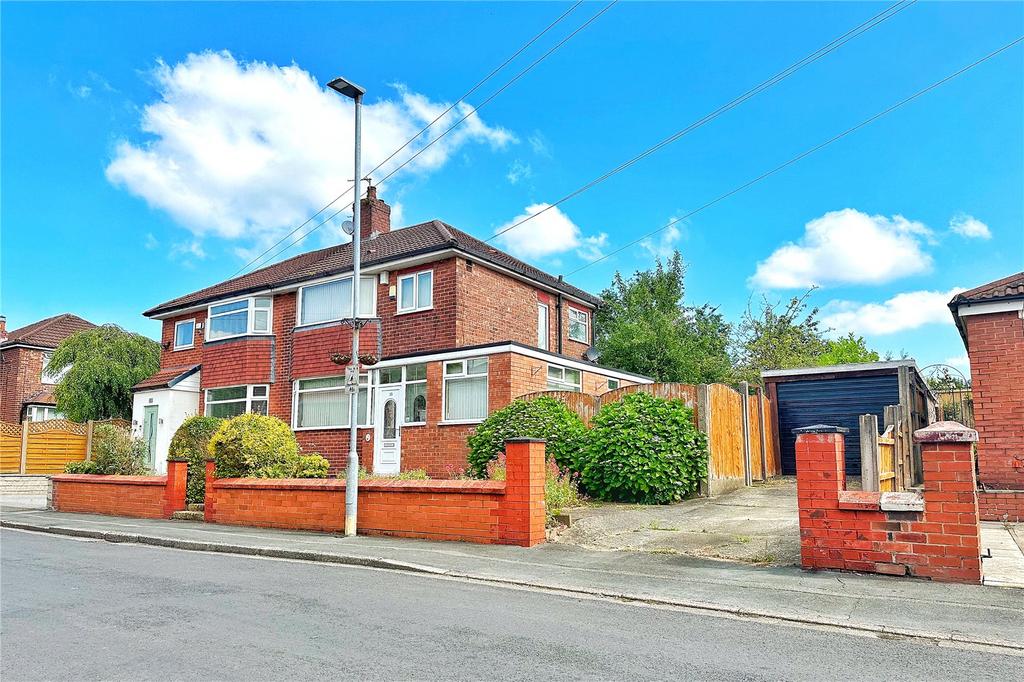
[[898, 606], [1005, 566]]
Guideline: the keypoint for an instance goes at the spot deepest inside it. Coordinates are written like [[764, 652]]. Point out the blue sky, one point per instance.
[[152, 149]]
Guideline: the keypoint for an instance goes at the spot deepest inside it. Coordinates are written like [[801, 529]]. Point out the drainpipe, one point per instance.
[[558, 319]]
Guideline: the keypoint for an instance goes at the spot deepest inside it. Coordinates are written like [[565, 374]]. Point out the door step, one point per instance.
[[196, 507], [187, 516]]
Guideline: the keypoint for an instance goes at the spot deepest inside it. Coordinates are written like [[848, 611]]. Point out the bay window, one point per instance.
[[416, 292], [579, 325], [41, 413], [184, 333], [324, 403], [232, 401], [238, 318], [331, 301], [465, 390], [563, 379]]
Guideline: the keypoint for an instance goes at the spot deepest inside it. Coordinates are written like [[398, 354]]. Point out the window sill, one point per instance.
[[414, 311], [340, 322], [413, 424], [578, 340], [177, 348], [460, 422], [237, 337], [330, 428]]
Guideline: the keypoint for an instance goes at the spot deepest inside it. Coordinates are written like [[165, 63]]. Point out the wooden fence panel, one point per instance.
[[887, 462], [771, 451], [52, 444], [756, 451], [10, 448], [583, 404], [726, 441]]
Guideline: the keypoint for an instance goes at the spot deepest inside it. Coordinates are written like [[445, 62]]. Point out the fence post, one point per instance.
[[704, 426], [24, 447], [869, 453], [88, 439], [748, 476]]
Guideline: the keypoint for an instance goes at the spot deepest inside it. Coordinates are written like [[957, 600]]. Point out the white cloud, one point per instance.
[[908, 310], [848, 247], [552, 232], [664, 244], [539, 144], [250, 149], [961, 362], [191, 248], [518, 171], [968, 226], [151, 241]]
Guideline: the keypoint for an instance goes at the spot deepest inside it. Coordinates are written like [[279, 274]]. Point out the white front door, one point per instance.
[[388, 417]]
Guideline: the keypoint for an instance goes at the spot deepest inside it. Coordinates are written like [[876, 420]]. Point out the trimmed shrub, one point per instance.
[[258, 446], [114, 452], [544, 417], [410, 475], [644, 449], [190, 443]]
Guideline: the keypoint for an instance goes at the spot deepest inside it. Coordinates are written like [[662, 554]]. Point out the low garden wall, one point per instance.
[[1001, 505], [934, 534], [491, 512], [151, 497]]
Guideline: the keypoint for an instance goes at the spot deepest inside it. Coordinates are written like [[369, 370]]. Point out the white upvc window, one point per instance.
[[414, 379], [465, 390], [579, 325], [563, 379], [416, 292], [331, 301], [239, 318], [184, 334], [41, 413], [46, 377], [323, 403], [542, 326], [232, 401]]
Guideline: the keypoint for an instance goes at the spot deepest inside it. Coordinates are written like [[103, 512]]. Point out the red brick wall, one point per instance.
[[20, 371], [996, 351], [1001, 505], [150, 497], [575, 348], [312, 349], [189, 356], [502, 512], [848, 530], [433, 329], [529, 375]]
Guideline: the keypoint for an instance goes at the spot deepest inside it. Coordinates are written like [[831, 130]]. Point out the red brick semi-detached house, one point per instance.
[[457, 329], [991, 321], [26, 388]]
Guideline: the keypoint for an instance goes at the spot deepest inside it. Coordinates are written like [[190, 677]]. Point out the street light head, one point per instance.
[[340, 85]]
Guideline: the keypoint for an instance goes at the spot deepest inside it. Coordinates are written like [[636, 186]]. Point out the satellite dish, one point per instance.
[[591, 354], [348, 227]]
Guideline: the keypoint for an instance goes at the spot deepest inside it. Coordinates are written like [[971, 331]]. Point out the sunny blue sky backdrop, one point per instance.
[[152, 149]]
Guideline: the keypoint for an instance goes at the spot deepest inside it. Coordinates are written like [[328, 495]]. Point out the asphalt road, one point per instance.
[[75, 609]]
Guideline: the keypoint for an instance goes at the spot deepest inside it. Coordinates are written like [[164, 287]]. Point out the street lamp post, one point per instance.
[[353, 91]]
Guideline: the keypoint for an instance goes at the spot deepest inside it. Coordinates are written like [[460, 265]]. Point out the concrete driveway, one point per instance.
[[758, 525]]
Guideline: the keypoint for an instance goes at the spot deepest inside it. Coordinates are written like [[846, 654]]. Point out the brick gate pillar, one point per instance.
[[820, 475], [208, 496], [521, 516], [177, 481]]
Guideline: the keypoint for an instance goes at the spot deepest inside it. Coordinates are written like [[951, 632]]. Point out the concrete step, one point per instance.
[[196, 507], [187, 516]]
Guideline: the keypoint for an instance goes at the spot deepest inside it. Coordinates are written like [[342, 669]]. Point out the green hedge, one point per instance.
[[644, 449], [544, 417], [190, 442], [255, 445]]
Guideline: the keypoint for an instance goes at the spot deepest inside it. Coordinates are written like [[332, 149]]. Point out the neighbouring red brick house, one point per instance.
[[457, 327], [991, 321], [26, 389]]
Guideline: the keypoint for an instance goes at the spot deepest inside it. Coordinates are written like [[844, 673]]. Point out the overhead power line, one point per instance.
[[882, 16], [807, 153], [440, 116]]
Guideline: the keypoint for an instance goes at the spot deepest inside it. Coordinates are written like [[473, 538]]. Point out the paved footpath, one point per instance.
[[970, 614]]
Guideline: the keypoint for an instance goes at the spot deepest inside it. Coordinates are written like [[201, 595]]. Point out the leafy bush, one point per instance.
[[258, 446], [114, 452], [644, 449], [411, 475], [301, 466], [544, 417], [190, 443]]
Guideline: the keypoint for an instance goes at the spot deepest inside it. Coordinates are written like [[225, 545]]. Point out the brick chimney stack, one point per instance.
[[375, 218]]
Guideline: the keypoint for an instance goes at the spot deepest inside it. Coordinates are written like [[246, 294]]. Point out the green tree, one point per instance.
[[779, 336], [645, 327], [102, 366], [847, 349]]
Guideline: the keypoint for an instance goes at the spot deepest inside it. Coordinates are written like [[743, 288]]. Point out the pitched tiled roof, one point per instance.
[[401, 243], [1007, 287], [167, 377], [43, 396], [48, 333]]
